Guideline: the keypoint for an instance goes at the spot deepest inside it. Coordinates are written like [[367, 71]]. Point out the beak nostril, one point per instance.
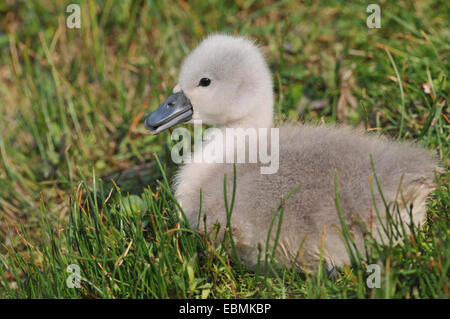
[[175, 109]]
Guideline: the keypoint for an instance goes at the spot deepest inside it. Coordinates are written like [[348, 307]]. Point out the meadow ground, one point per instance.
[[80, 182]]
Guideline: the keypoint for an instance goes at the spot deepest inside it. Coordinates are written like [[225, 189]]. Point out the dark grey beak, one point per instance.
[[175, 109]]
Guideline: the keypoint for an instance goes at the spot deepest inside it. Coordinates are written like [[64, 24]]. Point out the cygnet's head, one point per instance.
[[225, 81]]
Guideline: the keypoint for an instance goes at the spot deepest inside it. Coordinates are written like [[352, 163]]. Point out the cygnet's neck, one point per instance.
[[261, 119], [256, 125]]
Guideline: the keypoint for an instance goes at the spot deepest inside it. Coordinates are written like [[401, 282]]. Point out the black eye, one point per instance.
[[204, 82]]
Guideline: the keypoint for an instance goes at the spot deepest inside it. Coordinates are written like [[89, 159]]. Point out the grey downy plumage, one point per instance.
[[238, 93]]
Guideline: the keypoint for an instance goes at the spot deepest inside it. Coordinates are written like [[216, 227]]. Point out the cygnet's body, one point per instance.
[[238, 94]]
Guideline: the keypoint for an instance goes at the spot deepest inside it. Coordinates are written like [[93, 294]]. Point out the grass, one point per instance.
[[79, 179]]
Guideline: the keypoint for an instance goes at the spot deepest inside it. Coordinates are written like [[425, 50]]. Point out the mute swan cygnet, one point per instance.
[[226, 82]]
